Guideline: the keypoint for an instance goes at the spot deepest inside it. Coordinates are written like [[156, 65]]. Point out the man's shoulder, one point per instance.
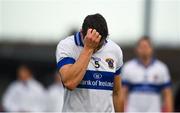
[[68, 41], [113, 46], [161, 64], [15, 85], [36, 83]]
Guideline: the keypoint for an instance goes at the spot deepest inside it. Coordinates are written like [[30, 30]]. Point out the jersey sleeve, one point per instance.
[[64, 54], [166, 81], [119, 62]]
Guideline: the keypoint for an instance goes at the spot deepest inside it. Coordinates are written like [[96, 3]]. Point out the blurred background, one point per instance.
[[31, 29]]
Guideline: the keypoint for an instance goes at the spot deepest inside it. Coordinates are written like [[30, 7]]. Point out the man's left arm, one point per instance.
[[167, 90], [168, 99], [117, 100], [117, 90]]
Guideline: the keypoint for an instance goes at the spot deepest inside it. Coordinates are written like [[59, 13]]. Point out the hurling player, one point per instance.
[[90, 66]]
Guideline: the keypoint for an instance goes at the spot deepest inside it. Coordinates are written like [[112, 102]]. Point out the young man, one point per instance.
[[90, 65], [25, 94], [144, 79]]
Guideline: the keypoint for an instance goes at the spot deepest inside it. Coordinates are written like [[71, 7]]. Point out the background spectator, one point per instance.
[[24, 94]]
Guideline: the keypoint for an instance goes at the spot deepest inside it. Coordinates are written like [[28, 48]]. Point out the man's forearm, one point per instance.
[[118, 103], [169, 107], [72, 74], [78, 69], [75, 72], [117, 95], [168, 99]]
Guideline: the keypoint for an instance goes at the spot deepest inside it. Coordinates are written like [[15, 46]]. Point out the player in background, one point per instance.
[[145, 78], [55, 94], [90, 65], [25, 94]]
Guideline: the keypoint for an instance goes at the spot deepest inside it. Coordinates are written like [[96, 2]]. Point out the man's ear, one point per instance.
[[81, 34]]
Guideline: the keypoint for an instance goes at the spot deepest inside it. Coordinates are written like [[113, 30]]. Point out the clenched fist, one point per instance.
[[92, 39]]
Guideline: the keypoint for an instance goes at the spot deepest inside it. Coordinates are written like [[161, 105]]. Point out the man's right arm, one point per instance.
[[72, 74]]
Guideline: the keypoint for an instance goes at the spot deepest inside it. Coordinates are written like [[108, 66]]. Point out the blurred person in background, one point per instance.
[[145, 78], [25, 94], [55, 95]]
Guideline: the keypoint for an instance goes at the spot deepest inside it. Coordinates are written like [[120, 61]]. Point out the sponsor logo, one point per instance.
[[97, 75]]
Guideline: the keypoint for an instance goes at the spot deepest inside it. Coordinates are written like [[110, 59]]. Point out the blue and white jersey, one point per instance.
[[145, 85], [94, 93]]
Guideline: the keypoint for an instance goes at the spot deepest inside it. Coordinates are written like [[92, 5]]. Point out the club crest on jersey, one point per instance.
[[110, 62], [156, 78]]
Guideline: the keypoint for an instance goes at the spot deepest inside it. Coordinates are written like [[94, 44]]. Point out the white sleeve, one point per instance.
[[166, 82], [119, 62], [64, 54], [10, 99]]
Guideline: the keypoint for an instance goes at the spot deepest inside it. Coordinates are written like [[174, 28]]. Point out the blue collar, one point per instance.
[[78, 40], [151, 63]]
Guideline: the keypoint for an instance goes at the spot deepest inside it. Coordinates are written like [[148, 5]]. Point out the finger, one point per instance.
[[88, 34], [97, 34], [89, 31], [98, 39], [94, 32]]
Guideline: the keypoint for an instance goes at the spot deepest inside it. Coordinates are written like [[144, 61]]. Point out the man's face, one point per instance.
[[100, 43], [144, 49], [24, 74]]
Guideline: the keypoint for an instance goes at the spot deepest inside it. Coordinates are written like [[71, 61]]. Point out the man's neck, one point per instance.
[[146, 61]]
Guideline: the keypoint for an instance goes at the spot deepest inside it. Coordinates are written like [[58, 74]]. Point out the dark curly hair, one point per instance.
[[95, 21]]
